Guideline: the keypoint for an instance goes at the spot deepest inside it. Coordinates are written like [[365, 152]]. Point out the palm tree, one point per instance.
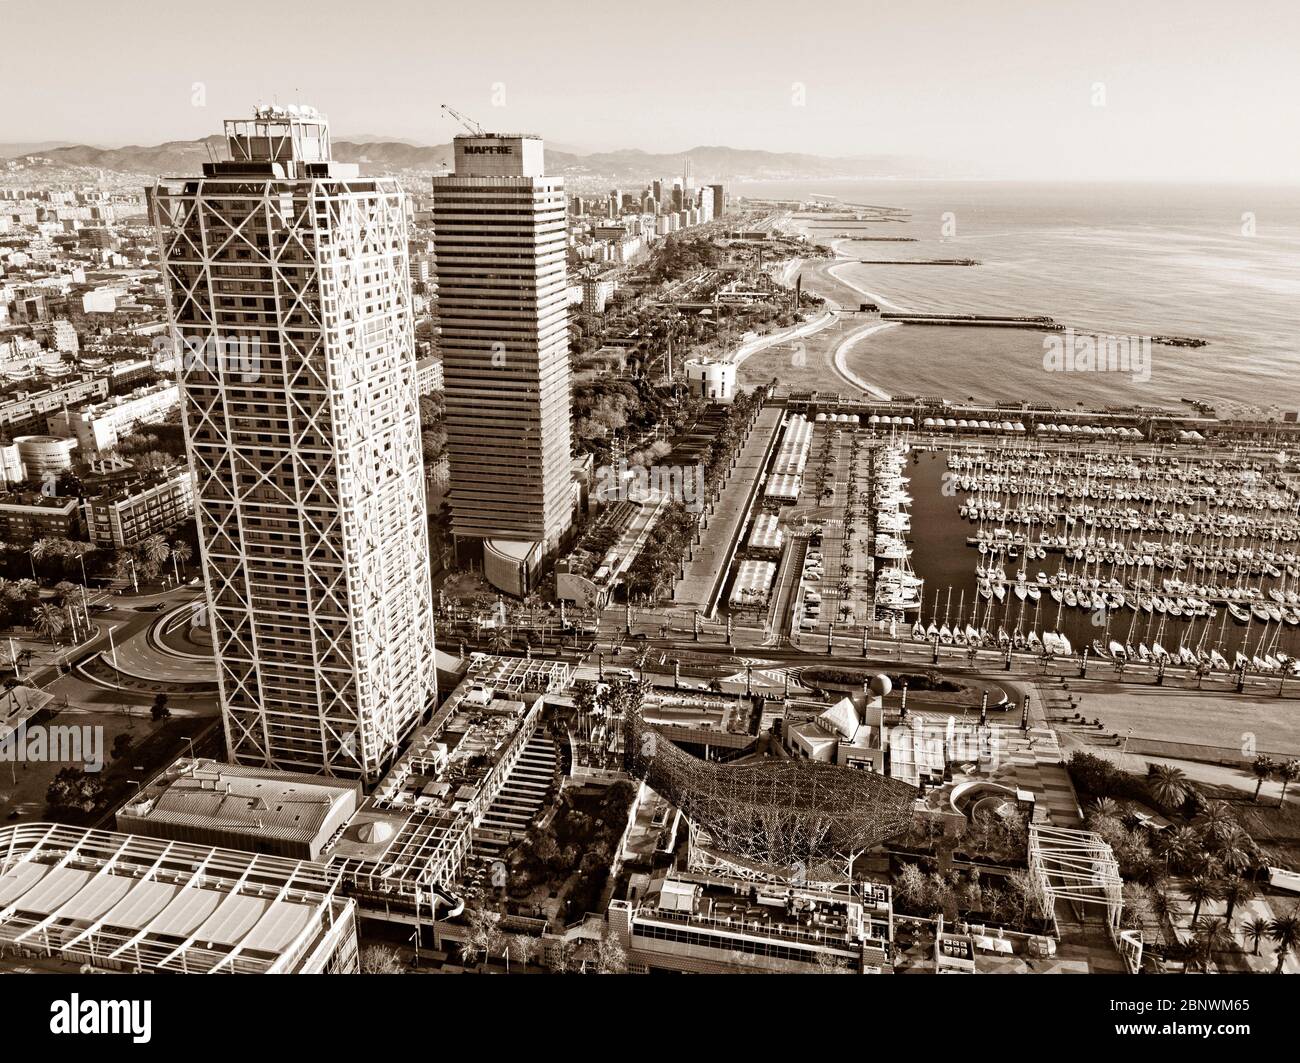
[[154, 550], [182, 552], [1216, 820], [499, 639], [1168, 785], [1164, 907], [1177, 844], [47, 619], [43, 548], [1106, 806], [1235, 856], [1285, 935], [1263, 767], [1256, 930], [1211, 936], [1201, 888], [1237, 891], [1288, 772]]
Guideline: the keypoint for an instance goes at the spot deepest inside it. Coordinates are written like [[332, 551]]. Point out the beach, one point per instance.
[[1145, 262]]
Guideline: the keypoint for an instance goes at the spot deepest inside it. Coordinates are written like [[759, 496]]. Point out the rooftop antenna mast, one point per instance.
[[468, 123]]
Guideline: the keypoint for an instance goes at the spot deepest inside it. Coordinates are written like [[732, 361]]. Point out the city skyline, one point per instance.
[[975, 92], [475, 555]]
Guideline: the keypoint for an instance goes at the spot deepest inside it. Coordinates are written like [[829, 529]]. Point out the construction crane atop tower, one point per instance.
[[468, 123]]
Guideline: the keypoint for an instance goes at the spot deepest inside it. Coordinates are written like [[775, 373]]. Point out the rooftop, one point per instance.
[[209, 794], [156, 905]]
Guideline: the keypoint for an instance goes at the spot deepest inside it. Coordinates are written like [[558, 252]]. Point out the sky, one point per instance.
[[1107, 89]]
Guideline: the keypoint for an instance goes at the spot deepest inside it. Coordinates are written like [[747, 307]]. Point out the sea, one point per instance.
[[1219, 263]]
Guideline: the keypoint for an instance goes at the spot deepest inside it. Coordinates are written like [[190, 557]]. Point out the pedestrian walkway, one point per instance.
[[704, 575]]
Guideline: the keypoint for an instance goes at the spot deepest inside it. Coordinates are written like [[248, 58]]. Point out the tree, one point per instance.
[[121, 746], [66, 591], [1164, 907], [1216, 821], [48, 621], [1263, 767], [1255, 930], [1201, 888], [1234, 852], [1028, 896], [1106, 806], [181, 552], [1137, 905], [1284, 933], [154, 551], [559, 958], [1177, 844], [381, 959], [1168, 785], [159, 710], [524, 948], [1237, 891], [1288, 772], [1209, 936], [74, 790], [483, 935], [611, 958], [913, 888]]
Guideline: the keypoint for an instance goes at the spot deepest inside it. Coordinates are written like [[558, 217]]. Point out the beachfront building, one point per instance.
[[428, 375], [502, 311], [26, 411], [102, 426], [714, 923], [308, 473], [130, 511], [238, 807], [32, 515], [73, 899], [715, 381]]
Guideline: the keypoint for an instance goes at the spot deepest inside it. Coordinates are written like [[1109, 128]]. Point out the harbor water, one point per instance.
[[942, 557]]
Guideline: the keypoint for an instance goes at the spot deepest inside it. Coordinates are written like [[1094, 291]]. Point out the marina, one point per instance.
[[1180, 558]]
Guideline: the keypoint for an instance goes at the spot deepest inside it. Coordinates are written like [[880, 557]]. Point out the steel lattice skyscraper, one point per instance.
[[305, 446]]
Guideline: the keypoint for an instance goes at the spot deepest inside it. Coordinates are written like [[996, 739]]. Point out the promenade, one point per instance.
[[704, 574]]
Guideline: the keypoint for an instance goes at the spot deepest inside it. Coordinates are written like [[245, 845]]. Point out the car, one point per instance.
[[640, 636], [101, 607], [154, 608], [813, 575]]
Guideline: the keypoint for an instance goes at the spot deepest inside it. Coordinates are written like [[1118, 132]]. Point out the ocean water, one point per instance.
[[1215, 262]]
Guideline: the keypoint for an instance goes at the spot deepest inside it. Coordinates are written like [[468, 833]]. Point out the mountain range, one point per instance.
[[376, 156]]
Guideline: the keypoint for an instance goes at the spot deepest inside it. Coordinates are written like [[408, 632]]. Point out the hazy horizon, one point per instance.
[[1004, 90]]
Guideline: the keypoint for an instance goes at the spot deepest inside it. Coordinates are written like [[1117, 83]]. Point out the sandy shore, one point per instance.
[[821, 361]]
